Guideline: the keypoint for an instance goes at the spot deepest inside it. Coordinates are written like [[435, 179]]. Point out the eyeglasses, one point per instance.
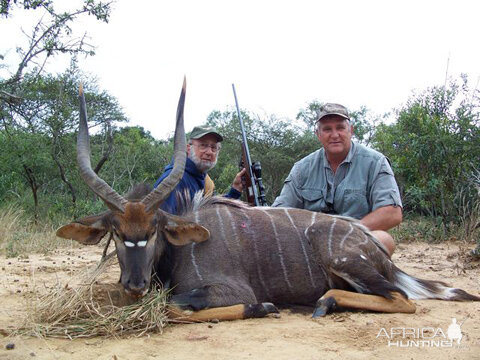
[[203, 147]]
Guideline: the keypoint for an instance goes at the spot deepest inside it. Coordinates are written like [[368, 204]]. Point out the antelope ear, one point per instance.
[[88, 231], [185, 233]]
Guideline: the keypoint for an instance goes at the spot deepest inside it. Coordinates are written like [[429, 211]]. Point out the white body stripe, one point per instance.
[[234, 230], [330, 236], [305, 255], [346, 236], [253, 238], [220, 221], [280, 251], [194, 262]]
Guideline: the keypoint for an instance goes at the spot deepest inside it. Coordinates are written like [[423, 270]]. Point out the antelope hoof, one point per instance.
[[272, 310], [324, 307], [260, 310]]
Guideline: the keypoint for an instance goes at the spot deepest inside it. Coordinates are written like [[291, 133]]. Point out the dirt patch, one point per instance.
[[293, 336]]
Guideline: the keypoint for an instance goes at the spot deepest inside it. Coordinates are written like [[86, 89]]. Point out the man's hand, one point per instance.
[[237, 181]]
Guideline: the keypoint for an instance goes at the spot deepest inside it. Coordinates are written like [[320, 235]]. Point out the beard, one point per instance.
[[202, 165]]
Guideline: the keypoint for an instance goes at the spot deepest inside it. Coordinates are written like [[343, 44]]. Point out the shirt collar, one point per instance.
[[349, 157]]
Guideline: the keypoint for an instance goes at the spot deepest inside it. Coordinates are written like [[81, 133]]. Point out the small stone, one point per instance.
[[10, 346]]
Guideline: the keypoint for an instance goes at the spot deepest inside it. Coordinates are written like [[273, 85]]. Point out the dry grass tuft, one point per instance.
[[20, 236], [93, 309]]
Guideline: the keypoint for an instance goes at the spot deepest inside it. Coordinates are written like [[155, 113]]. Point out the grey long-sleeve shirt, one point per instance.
[[363, 182]]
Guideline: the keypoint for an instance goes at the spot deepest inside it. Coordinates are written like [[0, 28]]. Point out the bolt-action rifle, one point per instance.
[[252, 180]]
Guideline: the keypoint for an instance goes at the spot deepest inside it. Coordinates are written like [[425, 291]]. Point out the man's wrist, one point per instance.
[[234, 193]]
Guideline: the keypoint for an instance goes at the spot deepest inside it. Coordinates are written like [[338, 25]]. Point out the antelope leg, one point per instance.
[[233, 312], [347, 299], [201, 304]]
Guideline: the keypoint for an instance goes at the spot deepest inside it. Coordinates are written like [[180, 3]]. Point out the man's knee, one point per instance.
[[386, 239]]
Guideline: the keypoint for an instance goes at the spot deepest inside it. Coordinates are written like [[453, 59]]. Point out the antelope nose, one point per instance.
[[136, 288]]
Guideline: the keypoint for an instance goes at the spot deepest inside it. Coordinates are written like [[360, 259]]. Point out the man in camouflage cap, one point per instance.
[[202, 152], [345, 178]]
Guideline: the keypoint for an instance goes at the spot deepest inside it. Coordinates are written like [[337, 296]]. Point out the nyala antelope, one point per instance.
[[225, 260]]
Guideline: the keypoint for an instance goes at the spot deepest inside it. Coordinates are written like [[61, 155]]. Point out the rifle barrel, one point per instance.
[[247, 151]]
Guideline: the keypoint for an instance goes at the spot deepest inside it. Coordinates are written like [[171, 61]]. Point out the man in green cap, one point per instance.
[[202, 152], [345, 178]]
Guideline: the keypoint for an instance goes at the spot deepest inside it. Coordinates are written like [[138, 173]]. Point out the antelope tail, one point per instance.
[[417, 289]]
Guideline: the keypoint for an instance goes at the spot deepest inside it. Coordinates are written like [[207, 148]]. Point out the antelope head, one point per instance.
[[140, 229]]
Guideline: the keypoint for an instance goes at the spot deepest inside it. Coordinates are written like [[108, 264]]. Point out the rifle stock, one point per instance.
[[247, 180]]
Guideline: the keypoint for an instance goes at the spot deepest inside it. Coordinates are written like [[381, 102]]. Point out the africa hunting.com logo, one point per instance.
[[404, 337]]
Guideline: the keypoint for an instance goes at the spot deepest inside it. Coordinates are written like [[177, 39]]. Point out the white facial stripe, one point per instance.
[[130, 244]]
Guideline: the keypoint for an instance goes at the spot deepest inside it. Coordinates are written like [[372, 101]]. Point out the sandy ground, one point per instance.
[[352, 335]]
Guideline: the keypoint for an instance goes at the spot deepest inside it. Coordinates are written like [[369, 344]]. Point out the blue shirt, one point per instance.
[[192, 181]]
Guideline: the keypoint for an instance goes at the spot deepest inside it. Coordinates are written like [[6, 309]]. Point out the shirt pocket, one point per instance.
[[313, 200], [355, 203]]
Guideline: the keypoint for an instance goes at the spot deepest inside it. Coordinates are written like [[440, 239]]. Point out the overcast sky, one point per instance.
[[280, 54]]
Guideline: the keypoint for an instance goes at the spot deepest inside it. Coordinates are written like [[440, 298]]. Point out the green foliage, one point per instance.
[[39, 153], [137, 157], [6, 5], [434, 147], [309, 114], [420, 228], [38, 113]]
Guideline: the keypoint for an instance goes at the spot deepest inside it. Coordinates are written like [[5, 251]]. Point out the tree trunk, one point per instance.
[[64, 178], [30, 176]]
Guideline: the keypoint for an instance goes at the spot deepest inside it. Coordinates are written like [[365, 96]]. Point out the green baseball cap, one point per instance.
[[332, 109], [201, 131]]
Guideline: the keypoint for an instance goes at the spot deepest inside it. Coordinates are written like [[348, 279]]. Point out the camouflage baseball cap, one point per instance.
[[201, 131], [332, 109]]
